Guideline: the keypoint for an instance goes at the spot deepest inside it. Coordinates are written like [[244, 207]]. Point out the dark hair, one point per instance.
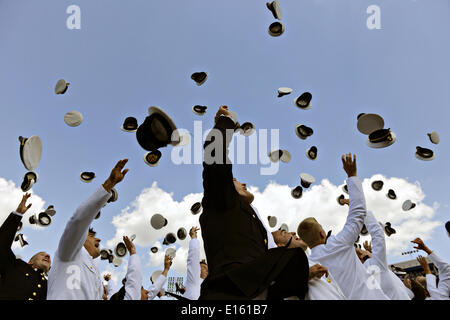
[[91, 231], [418, 290], [203, 261]]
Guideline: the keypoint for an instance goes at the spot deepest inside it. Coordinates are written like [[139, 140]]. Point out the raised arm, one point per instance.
[[134, 273], [193, 264], [357, 204], [378, 241], [156, 287], [76, 230], [218, 187]]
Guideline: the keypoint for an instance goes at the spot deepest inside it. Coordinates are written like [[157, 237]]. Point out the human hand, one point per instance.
[[167, 263], [107, 277], [317, 271], [368, 246], [423, 262], [349, 164], [421, 245], [130, 245], [193, 232], [23, 207], [116, 175]]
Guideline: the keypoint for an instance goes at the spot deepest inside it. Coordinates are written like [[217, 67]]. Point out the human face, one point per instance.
[[203, 270], [241, 189], [282, 237], [92, 245], [144, 294], [41, 261]]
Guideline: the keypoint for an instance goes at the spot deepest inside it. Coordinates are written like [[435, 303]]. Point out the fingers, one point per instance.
[[121, 163], [125, 172], [29, 206]]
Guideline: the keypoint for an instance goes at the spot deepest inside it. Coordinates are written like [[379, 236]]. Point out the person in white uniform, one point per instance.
[[197, 270], [337, 253], [321, 284], [156, 287], [440, 291], [75, 275]]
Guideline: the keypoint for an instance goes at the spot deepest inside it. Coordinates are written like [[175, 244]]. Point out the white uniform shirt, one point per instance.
[[339, 256], [391, 285], [193, 280], [156, 287], [442, 290], [323, 288], [133, 281], [270, 241], [74, 274]]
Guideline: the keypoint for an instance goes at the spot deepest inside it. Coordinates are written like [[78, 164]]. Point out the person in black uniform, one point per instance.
[[235, 241], [20, 280]]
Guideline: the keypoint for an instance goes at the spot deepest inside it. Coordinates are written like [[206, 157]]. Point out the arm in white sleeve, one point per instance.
[[156, 287], [133, 283], [76, 230], [444, 273], [378, 241], [432, 288], [356, 213], [193, 267], [109, 290]]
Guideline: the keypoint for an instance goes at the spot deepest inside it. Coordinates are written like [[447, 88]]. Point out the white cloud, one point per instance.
[[10, 197], [319, 201]]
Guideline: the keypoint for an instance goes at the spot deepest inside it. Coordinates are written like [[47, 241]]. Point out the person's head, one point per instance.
[[241, 189], [282, 238], [362, 254], [41, 260], [144, 294], [311, 232], [420, 293], [92, 244], [203, 269]]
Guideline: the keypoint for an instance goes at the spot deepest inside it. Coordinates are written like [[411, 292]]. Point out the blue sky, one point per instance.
[[130, 55]]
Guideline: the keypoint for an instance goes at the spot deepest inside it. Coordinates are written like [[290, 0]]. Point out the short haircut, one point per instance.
[[92, 231], [35, 256], [418, 290], [308, 230], [203, 261]]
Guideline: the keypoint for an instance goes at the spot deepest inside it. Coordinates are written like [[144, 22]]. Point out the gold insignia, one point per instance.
[[34, 293], [27, 274], [39, 285]]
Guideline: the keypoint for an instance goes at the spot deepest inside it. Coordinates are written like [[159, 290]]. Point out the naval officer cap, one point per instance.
[[303, 131], [169, 238], [306, 180], [345, 188], [181, 233], [199, 77], [61, 86], [304, 101], [408, 205], [73, 118], [42, 219], [283, 155], [340, 198], [29, 180], [157, 131], [199, 110], [30, 152], [272, 221], [196, 207], [284, 227], [388, 229], [87, 176], [283, 91], [424, 154], [381, 138], [171, 252], [391, 194], [247, 129], [130, 124], [377, 185], [116, 261], [311, 153], [158, 221], [369, 122], [434, 137], [155, 275], [154, 249], [297, 192], [275, 8], [104, 254], [19, 237], [276, 29], [120, 250], [152, 158]]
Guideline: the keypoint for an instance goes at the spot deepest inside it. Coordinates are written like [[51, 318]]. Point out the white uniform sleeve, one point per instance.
[[444, 274], [193, 268], [109, 289], [133, 283], [76, 230], [356, 213], [156, 287], [378, 241]]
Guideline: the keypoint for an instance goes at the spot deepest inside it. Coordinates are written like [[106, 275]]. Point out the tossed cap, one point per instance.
[[158, 221], [377, 185], [272, 221], [340, 198], [181, 233], [19, 227], [284, 227], [199, 77], [19, 237], [283, 91], [73, 118], [303, 131], [311, 153], [50, 210], [87, 176], [276, 29], [297, 192], [196, 207], [42, 219], [434, 137], [171, 252], [130, 124], [170, 238], [104, 254], [120, 250], [391, 194], [155, 275], [61, 86], [29, 179], [199, 110], [282, 155], [447, 227], [345, 188], [116, 261], [275, 8], [304, 101], [152, 158], [369, 122], [247, 129], [408, 205], [306, 180], [424, 154], [154, 249], [388, 229], [381, 139], [30, 152]]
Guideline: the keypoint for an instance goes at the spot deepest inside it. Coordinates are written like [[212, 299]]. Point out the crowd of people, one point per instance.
[[244, 260]]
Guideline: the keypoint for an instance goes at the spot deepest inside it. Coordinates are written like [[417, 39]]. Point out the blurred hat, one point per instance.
[[447, 227], [388, 229], [181, 233], [22, 241], [199, 110], [377, 185], [275, 8], [158, 221], [304, 101], [381, 138], [247, 129], [311, 153], [152, 158], [424, 154], [283, 91], [130, 124], [155, 275], [340, 198], [87, 176], [272, 221], [199, 77], [169, 238], [364, 230], [297, 192], [29, 179], [306, 180], [282, 155], [105, 254], [42, 219], [391, 194], [196, 207], [20, 226], [157, 130], [284, 227], [114, 195], [50, 210], [73, 118], [303, 131], [369, 122], [276, 29], [408, 205], [30, 152], [154, 249], [116, 261], [171, 252], [61, 86], [345, 188], [434, 137], [120, 250]]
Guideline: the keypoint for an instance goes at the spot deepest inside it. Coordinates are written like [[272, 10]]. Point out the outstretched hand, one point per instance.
[[423, 262], [130, 245], [368, 246], [193, 232], [23, 207], [116, 176], [349, 164], [421, 245]]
